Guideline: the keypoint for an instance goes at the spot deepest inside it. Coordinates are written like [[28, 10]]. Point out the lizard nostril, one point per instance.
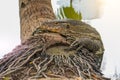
[[23, 5]]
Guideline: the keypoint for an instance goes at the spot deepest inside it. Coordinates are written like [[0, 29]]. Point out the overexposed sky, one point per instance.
[[108, 26], [9, 26]]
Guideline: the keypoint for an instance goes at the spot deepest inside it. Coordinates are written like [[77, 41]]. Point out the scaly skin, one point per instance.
[[77, 33]]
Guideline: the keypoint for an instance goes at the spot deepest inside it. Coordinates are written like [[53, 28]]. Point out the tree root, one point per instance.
[[35, 61]]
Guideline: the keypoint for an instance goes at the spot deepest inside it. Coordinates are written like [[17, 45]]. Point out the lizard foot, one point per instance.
[[89, 44]]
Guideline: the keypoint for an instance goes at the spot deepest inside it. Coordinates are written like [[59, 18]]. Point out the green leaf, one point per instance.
[[69, 13], [6, 78]]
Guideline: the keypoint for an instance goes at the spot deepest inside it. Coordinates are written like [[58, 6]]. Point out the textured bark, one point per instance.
[[50, 54], [32, 14], [51, 49]]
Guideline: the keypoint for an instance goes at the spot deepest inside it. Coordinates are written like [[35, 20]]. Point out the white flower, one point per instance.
[[76, 5], [63, 3], [90, 9]]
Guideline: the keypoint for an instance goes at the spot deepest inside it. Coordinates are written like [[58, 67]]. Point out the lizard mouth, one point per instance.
[[59, 49]]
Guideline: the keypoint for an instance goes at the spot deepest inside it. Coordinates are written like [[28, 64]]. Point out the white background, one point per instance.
[[108, 26]]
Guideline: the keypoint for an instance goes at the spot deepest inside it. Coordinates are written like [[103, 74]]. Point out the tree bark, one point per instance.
[[32, 14], [56, 50]]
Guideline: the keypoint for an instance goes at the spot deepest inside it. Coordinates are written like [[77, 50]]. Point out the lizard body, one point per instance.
[[77, 33]]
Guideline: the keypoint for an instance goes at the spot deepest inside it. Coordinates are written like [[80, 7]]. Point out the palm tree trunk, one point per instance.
[[32, 14]]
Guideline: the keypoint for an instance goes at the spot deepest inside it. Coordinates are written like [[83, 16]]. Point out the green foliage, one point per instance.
[[6, 78], [69, 13]]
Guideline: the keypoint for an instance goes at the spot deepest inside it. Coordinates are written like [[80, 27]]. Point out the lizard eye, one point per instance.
[[56, 23], [67, 26]]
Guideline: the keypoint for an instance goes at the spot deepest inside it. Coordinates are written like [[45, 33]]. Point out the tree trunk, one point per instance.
[[56, 50], [32, 14]]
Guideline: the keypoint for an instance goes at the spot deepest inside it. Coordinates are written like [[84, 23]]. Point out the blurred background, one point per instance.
[[108, 26]]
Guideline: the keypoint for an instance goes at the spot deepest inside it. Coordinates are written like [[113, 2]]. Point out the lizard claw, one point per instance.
[[76, 45]]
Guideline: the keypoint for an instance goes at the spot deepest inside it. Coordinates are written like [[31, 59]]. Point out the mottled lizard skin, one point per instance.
[[77, 33]]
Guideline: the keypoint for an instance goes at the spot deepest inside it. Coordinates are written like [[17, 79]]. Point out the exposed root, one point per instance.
[[37, 61]]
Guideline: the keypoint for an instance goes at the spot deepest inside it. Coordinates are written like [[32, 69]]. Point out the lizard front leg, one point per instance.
[[91, 45], [94, 47]]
